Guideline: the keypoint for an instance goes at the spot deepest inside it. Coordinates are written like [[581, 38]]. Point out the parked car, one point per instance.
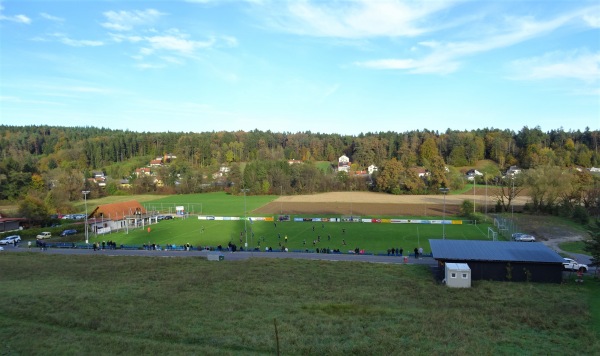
[[68, 232], [9, 240], [44, 235], [526, 238], [168, 217], [160, 217], [522, 237], [572, 265], [517, 235]]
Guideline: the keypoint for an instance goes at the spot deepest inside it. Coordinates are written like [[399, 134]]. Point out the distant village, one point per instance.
[[343, 165]]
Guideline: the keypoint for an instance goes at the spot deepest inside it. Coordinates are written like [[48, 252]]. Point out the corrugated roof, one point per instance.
[[469, 250], [117, 211], [458, 266]]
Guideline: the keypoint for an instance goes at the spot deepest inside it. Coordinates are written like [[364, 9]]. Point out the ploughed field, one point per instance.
[[377, 204]]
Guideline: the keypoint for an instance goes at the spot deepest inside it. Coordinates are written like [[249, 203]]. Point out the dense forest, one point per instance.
[[49, 165]]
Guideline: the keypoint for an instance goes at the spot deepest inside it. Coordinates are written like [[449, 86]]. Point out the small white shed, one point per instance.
[[215, 256], [458, 275]]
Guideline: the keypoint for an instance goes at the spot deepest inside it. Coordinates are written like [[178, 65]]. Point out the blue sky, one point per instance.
[[323, 66]]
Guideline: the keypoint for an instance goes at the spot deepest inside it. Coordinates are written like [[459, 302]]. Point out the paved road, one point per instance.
[[230, 256]]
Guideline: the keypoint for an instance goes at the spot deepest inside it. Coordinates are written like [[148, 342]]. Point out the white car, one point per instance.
[[572, 265], [519, 236], [9, 240], [44, 235]]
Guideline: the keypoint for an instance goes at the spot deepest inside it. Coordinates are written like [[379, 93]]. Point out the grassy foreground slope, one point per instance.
[[55, 304]]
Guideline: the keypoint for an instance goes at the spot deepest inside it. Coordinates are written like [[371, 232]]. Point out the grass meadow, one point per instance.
[[102, 305]]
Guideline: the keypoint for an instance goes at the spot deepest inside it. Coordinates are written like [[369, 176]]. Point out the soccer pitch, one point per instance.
[[345, 236]]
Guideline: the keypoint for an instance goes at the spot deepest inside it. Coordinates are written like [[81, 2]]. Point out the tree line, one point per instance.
[[51, 164]]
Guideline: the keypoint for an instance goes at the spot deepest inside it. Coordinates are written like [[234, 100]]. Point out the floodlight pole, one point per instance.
[[85, 193], [512, 200], [444, 191], [245, 217], [474, 179]]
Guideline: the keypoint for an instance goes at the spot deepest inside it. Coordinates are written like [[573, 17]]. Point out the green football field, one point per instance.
[[345, 236], [372, 237]]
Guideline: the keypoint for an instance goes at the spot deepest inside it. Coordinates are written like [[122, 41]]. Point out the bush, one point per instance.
[[581, 215], [498, 206], [466, 208]]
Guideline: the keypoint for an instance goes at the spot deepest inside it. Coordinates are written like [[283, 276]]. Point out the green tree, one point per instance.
[[546, 184], [437, 173], [457, 156], [592, 245], [428, 151], [33, 209], [466, 208], [389, 175]]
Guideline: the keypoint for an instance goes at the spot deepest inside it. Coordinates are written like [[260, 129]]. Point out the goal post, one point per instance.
[[493, 235]]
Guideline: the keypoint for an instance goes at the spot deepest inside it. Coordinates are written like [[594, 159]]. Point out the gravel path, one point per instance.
[[236, 256]]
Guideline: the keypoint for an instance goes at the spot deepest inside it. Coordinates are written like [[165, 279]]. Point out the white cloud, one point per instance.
[[16, 18], [81, 43], [117, 37], [230, 41], [445, 56], [50, 17], [127, 20], [579, 65], [177, 43], [357, 18], [75, 43], [592, 19]]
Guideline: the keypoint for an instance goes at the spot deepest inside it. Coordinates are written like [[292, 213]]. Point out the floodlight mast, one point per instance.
[[245, 216], [85, 193], [444, 191]]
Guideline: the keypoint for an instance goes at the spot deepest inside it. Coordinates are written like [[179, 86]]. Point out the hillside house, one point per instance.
[[156, 162], [472, 173], [124, 183], [421, 172], [372, 168], [223, 171], [343, 164], [512, 171], [144, 171]]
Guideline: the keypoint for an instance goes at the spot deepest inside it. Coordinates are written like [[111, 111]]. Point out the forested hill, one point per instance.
[[44, 158], [36, 147]]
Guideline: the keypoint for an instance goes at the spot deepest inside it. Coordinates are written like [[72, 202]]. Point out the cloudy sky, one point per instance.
[[345, 67]]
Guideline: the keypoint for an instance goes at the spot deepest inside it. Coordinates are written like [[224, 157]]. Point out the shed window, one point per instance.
[[453, 275], [464, 276]]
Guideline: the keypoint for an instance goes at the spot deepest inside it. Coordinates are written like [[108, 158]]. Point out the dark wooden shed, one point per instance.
[[501, 260]]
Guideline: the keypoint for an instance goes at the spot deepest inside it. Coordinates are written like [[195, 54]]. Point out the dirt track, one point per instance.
[[373, 204]]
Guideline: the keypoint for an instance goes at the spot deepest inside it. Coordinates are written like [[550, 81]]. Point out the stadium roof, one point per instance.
[[505, 251], [117, 211]]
